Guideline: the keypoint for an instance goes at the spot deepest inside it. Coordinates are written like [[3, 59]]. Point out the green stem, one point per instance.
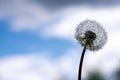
[[80, 65]]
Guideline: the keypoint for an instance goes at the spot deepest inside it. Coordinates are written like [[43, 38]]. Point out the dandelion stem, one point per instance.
[[80, 65]]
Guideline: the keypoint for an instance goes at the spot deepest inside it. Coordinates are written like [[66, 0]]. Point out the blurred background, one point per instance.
[[37, 39]]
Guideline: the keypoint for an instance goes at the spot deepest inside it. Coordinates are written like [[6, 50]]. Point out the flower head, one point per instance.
[[91, 34]]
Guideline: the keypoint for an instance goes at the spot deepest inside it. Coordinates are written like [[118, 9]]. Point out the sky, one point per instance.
[[37, 38]]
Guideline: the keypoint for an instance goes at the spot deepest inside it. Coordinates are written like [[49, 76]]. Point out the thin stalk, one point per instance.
[[80, 65]]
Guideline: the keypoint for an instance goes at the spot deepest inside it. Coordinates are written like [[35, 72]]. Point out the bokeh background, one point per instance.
[[37, 39]]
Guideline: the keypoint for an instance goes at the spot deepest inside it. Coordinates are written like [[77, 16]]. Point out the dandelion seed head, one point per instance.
[[94, 29]]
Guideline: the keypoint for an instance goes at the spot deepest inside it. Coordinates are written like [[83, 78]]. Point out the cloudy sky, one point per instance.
[[37, 38]]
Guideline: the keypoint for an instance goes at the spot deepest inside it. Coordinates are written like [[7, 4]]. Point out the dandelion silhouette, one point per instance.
[[91, 36]]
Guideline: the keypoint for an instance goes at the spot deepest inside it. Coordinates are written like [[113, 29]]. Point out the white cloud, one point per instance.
[[107, 17], [35, 67], [25, 15]]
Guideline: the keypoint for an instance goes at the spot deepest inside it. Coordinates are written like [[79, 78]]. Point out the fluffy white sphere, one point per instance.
[[93, 26]]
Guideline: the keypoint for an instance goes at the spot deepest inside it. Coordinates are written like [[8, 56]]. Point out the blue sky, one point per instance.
[[25, 42], [29, 42], [37, 38]]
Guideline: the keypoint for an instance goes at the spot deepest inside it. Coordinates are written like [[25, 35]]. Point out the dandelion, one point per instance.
[[91, 36]]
